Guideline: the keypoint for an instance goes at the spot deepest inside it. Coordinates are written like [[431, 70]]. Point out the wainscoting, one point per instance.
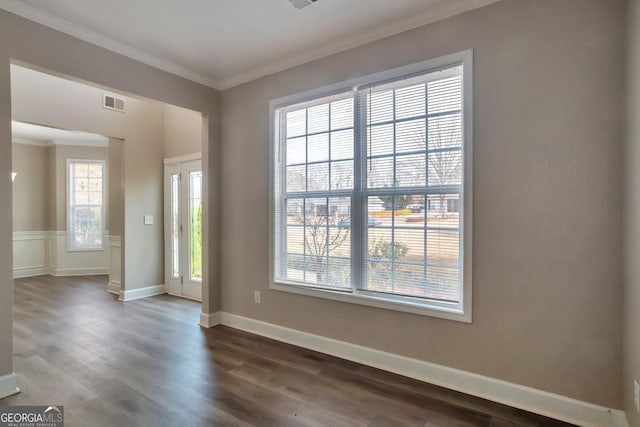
[[36, 253], [31, 253]]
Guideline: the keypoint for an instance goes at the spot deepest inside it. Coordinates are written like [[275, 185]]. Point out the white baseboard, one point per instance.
[[59, 272], [141, 293], [30, 272], [514, 395], [65, 272], [8, 385], [210, 320], [114, 288]]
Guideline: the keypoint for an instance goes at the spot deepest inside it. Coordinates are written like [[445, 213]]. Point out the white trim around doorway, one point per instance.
[[180, 159]]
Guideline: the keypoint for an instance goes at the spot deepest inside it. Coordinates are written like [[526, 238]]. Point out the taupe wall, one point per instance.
[[31, 43], [116, 188], [182, 131], [31, 188], [547, 228], [631, 354]]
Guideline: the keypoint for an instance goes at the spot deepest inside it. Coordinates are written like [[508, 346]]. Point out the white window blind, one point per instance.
[[414, 182], [314, 192], [369, 190], [86, 204]]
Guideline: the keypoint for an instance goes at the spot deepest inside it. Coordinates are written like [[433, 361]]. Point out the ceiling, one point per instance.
[[27, 133], [222, 43]]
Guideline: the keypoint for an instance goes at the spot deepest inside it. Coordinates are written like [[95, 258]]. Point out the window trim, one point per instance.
[[70, 246], [461, 311]]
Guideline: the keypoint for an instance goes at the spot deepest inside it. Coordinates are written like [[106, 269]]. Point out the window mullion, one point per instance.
[[358, 200], [426, 196], [280, 201]]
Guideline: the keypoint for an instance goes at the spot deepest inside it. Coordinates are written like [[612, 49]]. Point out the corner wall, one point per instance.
[[631, 352], [6, 230]]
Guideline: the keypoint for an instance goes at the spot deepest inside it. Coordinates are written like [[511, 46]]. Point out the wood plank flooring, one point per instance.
[[148, 363]]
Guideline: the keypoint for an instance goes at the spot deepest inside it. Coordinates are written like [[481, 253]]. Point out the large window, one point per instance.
[[86, 204], [372, 190]]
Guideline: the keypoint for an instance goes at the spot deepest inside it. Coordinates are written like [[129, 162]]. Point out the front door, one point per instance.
[[183, 229]]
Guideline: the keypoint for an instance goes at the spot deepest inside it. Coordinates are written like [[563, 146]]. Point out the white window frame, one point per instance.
[[70, 245], [460, 311]]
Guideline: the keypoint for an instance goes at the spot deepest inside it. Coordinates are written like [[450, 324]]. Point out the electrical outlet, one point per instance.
[[256, 297], [636, 395]]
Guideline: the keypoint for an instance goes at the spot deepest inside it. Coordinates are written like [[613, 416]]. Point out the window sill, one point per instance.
[[439, 310]]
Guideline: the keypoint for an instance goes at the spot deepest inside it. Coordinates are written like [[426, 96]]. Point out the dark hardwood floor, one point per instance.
[[148, 363]]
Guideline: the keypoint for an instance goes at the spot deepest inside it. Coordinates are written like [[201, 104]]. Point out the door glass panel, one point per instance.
[[175, 225], [195, 222]]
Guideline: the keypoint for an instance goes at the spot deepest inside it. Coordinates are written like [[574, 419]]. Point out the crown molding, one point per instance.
[[442, 10], [48, 20], [96, 144], [51, 143]]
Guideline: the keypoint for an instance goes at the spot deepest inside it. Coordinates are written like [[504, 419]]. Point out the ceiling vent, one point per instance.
[[111, 102], [299, 4]]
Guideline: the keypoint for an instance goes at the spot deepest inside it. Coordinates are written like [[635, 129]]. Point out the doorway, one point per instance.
[[183, 228]]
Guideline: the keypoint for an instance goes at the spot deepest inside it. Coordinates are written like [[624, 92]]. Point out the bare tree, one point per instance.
[[444, 166], [321, 240], [320, 217]]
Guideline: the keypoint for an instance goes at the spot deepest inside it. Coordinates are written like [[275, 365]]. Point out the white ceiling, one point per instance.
[[27, 133], [222, 43]]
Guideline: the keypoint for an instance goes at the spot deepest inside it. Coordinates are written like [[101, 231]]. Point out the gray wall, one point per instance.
[[547, 225], [631, 353], [31, 188], [31, 43], [6, 225]]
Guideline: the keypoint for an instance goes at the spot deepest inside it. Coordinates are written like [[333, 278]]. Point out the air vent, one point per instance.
[[114, 103], [299, 4]]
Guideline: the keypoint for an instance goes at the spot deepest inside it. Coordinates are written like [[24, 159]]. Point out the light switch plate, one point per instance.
[[148, 220]]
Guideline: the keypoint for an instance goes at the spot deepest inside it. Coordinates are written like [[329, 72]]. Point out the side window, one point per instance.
[[86, 210]]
